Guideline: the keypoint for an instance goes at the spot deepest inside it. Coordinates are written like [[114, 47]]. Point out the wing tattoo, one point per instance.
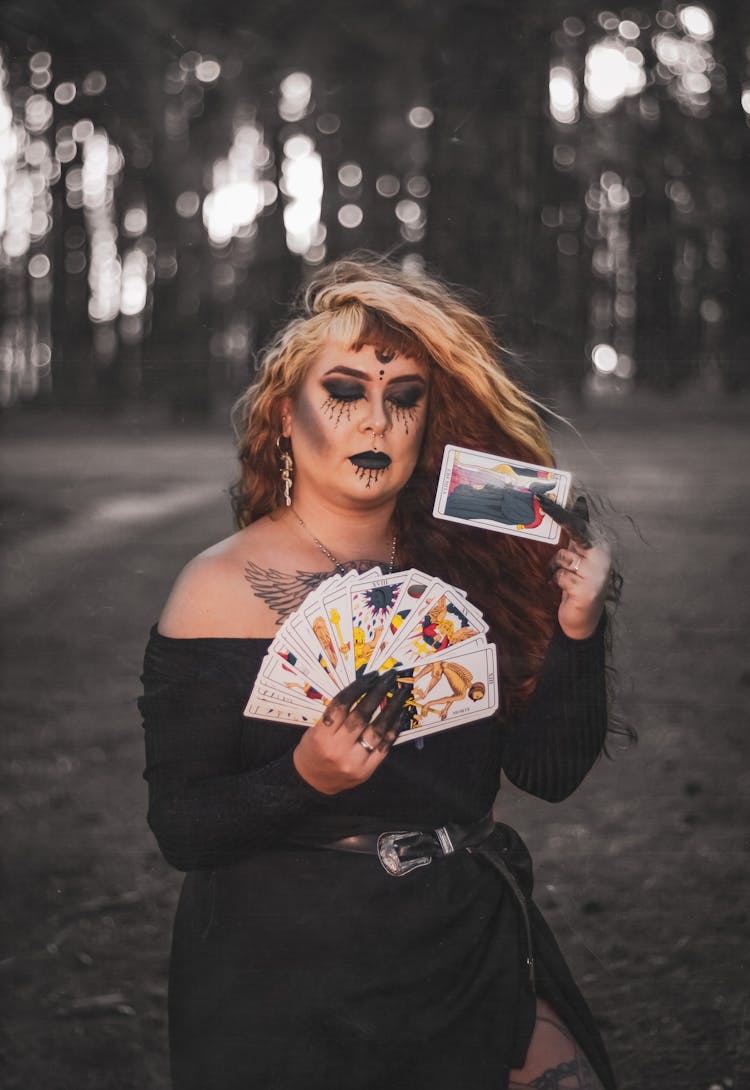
[[282, 591]]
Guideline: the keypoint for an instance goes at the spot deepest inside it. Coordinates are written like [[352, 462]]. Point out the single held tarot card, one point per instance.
[[422, 627], [500, 494]]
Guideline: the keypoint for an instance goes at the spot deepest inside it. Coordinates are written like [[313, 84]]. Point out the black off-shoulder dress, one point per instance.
[[301, 969]]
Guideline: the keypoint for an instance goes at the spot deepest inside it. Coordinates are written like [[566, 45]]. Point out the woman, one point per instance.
[[302, 959]]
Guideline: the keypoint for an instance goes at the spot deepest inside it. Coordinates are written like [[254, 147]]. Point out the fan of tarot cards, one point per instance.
[[360, 624], [419, 626]]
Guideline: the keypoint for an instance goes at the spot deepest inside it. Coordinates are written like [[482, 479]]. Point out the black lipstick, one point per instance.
[[370, 459]]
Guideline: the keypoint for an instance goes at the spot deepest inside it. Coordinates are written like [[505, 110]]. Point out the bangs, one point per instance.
[[356, 325]]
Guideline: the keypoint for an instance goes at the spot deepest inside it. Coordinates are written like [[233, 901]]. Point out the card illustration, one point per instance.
[[357, 624], [450, 690], [499, 494], [373, 602]]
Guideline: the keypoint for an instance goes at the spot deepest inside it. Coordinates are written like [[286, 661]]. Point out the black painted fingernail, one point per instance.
[[375, 693], [581, 508], [393, 708], [353, 691], [386, 682]]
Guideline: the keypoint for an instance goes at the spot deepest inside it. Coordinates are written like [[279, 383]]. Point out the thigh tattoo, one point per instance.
[[575, 1073], [570, 1075]]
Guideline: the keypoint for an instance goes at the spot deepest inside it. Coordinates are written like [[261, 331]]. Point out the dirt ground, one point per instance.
[[643, 873]]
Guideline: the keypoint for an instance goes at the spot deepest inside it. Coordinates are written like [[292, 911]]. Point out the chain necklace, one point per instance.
[[341, 568]]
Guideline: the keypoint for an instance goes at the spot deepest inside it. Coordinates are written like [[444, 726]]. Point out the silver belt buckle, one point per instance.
[[390, 859]]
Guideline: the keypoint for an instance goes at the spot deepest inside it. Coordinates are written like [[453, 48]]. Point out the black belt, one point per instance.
[[402, 851]]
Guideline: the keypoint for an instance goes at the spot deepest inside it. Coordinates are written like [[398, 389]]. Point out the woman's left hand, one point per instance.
[[582, 573]]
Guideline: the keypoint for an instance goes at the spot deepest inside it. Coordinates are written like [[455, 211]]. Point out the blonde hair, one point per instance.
[[360, 301]]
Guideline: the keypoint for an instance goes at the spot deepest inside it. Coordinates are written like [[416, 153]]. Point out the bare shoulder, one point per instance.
[[212, 595]]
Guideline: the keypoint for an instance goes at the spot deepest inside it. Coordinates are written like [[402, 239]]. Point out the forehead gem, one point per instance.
[[383, 357]]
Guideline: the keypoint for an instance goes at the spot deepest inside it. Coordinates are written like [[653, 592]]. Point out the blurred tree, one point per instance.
[[493, 174], [495, 193]]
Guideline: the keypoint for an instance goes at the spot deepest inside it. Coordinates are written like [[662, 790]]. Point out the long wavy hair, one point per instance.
[[472, 403]]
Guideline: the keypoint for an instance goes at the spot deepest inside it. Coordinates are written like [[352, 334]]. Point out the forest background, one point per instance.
[[169, 175]]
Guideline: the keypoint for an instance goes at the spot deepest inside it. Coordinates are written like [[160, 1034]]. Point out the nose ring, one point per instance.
[[375, 437]]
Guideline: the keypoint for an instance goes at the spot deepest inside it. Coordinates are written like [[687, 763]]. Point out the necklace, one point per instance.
[[341, 568]]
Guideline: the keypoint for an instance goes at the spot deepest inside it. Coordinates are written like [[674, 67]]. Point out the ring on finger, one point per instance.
[[365, 744], [576, 566]]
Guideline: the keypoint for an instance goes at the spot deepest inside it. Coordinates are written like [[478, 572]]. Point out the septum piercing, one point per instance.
[[375, 437]]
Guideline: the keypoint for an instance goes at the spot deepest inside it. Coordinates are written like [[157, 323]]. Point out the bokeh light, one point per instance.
[[296, 91], [39, 266], [564, 157], [604, 358], [302, 186], [629, 30], [135, 221], [421, 117], [75, 262], [95, 83], [40, 61], [711, 311], [613, 72], [350, 215], [238, 196], [697, 22], [350, 175], [409, 212], [573, 26], [387, 185], [187, 204], [563, 95], [418, 186], [134, 287], [82, 130], [39, 113], [65, 93], [208, 70], [328, 124]]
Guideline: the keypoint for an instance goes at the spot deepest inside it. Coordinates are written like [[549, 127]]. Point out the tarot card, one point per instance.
[[307, 658], [372, 602], [324, 622], [305, 648], [500, 494], [423, 626], [282, 699], [411, 595], [449, 690], [273, 708], [441, 620], [259, 709], [314, 626], [286, 684]]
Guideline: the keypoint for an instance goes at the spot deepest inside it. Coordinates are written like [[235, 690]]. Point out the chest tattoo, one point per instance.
[[286, 591]]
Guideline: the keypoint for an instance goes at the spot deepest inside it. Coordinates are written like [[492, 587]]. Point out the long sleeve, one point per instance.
[[551, 745], [206, 807]]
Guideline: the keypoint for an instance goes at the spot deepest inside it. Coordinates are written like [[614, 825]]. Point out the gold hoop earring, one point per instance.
[[286, 470]]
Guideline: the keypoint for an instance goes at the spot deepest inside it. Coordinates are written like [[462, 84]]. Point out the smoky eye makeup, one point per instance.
[[341, 390], [406, 397]]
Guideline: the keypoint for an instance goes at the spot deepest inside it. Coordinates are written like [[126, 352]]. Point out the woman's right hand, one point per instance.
[[346, 745]]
